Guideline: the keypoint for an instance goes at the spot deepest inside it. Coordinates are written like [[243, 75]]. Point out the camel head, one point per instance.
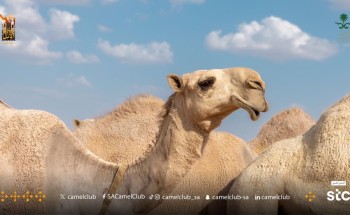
[[208, 96]]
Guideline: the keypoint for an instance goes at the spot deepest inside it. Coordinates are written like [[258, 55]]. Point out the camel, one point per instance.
[[48, 157], [111, 136], [38, 154], [225, 155], [286, 124], [299, 171], [226, 151]]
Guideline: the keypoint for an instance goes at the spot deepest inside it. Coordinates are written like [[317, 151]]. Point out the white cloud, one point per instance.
[[62, 24], [340, 4], [182, 2], [77, 58], [39, 49], [103, 28], [72, 80], [34, 50], [81, 80], [155, 52], [23, 9], [272, 38], [33, 34], [109, 1]]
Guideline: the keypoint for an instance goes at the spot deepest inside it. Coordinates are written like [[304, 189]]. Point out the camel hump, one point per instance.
[[334, 122], [4, 105], [144, 103], [286, 124]]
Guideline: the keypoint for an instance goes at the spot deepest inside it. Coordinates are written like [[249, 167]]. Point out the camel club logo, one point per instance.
[[343, 25], [8, 25]]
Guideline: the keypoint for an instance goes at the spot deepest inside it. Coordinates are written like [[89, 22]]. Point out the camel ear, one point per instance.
[[175, 82], [76, 123]]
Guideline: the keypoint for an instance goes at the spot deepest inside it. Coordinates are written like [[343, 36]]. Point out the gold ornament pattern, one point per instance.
[[310, 196], [27, 196]]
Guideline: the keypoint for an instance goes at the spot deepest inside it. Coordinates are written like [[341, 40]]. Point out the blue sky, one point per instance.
[[79, 59]]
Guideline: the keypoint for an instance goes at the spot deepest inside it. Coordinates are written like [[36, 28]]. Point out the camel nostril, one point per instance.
[[256, 84]]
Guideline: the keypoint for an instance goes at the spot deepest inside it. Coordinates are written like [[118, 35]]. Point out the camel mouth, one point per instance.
[[253, 112], [257, 113]]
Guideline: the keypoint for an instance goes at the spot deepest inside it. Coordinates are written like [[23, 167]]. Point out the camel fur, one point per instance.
[[302, 168], [124, 134]]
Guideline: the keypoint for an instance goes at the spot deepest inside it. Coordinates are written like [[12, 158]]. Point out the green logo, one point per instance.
[[343, 24]]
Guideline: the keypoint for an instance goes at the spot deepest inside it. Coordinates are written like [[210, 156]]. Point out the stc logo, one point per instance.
[[338, 195]]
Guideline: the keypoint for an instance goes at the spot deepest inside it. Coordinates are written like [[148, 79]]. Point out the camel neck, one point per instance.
[[178, 147]]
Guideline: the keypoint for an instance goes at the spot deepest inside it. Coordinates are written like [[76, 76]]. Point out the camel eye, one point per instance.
[[206, 84]]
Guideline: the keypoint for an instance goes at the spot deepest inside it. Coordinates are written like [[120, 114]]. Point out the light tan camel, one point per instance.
[[299, 171], [54, 161], [33, 159], [286, 124], [224, 158], [128, 131]]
